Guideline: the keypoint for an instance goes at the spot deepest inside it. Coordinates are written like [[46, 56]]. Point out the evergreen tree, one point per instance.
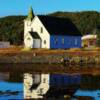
[[98, 32], [98, 39]]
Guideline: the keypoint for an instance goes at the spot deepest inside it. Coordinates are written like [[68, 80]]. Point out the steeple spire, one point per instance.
[[30, 14]]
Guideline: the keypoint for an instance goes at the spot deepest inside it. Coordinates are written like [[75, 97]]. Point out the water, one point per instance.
[[94, 93], [10, 89], [62, 85]]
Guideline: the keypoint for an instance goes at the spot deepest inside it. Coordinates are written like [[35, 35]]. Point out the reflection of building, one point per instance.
[[50, 32], [35, 86], [89, 40], [40, 85]]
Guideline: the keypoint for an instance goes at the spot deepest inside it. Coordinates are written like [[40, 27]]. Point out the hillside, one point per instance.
[[12, 27], [86, 21]]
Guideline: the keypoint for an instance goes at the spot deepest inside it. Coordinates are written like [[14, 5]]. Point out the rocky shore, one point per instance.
[[52, 58]]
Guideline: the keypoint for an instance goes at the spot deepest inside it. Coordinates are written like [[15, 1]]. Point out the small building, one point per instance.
[[4, 44], [89, 40], [50, 32]]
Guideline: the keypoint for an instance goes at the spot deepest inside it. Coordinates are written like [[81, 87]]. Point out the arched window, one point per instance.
[[44, 41], [41, 29], [28, 38]]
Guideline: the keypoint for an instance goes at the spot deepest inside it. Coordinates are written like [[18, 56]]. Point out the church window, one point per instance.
[[28, 38], [44, 41], [41, 29]]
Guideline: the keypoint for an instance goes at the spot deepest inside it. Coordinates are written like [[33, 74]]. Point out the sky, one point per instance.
[[21, 7]]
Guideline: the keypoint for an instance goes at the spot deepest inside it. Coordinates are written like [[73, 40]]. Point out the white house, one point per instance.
[[50, 32]]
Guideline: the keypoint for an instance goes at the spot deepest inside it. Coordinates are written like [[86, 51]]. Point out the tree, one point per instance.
[[98, 40]]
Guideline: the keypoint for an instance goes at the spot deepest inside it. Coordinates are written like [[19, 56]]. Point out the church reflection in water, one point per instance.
[[50, 85]]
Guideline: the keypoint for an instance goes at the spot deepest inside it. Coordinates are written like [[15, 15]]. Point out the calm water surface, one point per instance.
[[11, 85], [93, 93], [9, 88]]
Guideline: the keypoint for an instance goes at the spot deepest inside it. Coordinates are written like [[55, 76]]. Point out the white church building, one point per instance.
[[34, 32], [50, 32]]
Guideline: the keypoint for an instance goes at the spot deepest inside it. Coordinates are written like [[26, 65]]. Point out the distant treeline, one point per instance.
[[86, 22], [12, 27]]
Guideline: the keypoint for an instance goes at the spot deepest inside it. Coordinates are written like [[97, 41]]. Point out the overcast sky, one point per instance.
[[21, 7]]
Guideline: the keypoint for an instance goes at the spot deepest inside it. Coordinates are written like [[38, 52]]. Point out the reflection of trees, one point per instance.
[[4, 76], [16, 77], [11, 76], [90, 82]]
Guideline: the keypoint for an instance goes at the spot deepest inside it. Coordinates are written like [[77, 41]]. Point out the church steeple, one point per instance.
[[30, 14]]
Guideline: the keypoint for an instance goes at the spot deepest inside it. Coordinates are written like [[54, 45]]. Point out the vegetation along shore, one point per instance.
[[42, 56]]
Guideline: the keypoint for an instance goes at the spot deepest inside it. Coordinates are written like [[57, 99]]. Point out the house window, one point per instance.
[[63, 40], [44, 41], [56, 41], [41, 29], [76, 42]]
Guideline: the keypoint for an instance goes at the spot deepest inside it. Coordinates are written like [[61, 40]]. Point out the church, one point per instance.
[[50, 32]]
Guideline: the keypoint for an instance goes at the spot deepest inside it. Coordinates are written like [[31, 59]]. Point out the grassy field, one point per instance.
[[74, 51]]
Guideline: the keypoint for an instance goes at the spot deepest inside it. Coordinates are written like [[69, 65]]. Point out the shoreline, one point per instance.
[[52, 57], [51, 69]]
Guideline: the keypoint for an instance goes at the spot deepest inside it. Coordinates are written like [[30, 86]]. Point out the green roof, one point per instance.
[[30, 14]]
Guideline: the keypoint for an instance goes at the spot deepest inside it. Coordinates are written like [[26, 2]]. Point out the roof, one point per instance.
[[90, 36], [30, 14], [59, 26], [35, 35]]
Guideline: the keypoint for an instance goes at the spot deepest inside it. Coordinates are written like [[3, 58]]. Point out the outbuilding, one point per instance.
[[89, 40], [4, 44]]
